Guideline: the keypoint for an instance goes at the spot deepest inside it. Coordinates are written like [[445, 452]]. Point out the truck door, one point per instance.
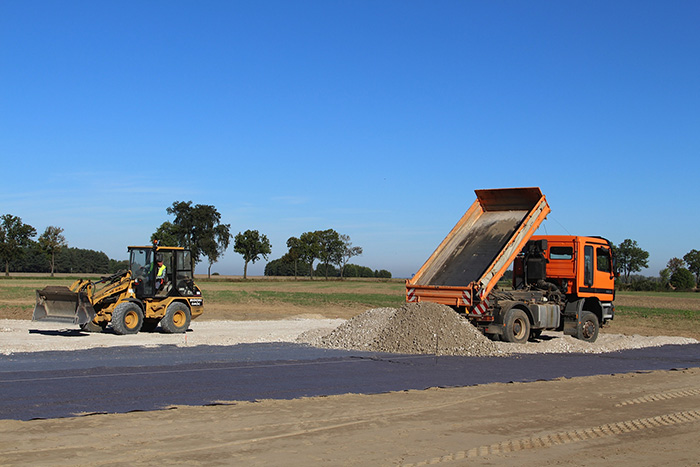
[[597, 270]]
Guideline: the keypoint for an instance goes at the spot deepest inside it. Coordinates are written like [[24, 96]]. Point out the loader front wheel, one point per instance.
[[517, 327], [177, 318], [127, 318]]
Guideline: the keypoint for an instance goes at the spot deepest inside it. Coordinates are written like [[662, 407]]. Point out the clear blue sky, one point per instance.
[[375, 118]]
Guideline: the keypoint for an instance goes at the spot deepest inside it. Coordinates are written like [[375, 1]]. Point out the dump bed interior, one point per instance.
[[474, 249], [477, 244]]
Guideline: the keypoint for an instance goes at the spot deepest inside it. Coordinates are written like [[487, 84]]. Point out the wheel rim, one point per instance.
[[131, 319], [588, 329], [179, 318], [519, 328]]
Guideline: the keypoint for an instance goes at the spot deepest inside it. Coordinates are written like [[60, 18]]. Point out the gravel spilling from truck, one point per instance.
[[414, 328]]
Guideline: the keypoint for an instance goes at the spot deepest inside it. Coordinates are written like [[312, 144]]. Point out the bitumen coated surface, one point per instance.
[[124, 379]]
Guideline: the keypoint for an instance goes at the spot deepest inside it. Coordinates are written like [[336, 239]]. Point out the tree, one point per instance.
[[682, 279], [166, 234], [674, 264], [197, 227], [382, 274], [14, 235], [692, 259], [309, 249], [51, 241], [348, 252], [215, 244], [630, 257], [285, 266], [295, 249], [353, 270], [252, 245], [330, 247]]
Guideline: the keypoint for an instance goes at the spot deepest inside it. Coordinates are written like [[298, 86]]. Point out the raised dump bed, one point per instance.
[[478, 250]]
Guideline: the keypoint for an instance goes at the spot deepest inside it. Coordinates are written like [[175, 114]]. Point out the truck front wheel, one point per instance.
[[588, 326], [517, 327]]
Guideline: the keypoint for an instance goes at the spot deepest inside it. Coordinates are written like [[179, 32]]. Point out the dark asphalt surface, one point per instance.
[[124, 379]]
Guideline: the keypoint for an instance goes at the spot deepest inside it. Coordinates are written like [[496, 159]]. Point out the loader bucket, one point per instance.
[[60, 304]]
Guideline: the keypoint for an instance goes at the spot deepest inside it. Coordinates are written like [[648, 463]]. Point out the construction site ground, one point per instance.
[[647, 418]]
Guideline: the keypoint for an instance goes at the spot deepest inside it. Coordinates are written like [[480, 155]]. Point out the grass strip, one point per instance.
[[663, 313], [304, 298]]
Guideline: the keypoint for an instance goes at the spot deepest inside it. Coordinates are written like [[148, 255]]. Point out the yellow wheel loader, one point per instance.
[[158, 288]]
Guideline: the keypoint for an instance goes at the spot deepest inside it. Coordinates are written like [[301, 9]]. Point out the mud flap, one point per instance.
[[60, 304]]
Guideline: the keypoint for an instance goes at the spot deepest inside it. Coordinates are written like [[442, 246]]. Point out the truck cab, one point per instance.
[[579, 268]]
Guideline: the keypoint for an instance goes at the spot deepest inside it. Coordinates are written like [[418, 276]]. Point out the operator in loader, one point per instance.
[[160, 273]]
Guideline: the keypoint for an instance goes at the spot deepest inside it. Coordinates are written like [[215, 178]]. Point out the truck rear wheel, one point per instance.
[[127, 318], [588, 327], [517, 327], [177, 318]]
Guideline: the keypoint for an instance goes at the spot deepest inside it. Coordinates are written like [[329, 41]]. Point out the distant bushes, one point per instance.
[[285, 267], [68, 260], [681, 280]]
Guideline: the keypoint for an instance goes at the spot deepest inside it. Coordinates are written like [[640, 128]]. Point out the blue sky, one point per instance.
[[375, 118]]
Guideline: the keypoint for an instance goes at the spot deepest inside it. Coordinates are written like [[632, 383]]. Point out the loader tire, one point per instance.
[[93, 327], [177, 318], [517, 327], [127, 318], [588, 327]]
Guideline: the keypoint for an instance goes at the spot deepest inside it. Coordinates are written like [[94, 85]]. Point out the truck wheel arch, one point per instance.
[[593, 305]]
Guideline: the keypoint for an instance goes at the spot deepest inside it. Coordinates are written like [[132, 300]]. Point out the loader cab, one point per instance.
[[144, 263]]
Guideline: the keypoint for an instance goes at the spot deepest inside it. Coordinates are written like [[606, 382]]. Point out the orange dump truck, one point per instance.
[[564, 283]]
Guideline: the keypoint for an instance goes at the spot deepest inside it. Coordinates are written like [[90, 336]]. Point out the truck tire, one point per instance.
[[127, 318], [177, 318], [588, 326], [517, 327]]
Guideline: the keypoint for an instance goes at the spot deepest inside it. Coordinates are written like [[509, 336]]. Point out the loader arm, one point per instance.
[[76, 304]]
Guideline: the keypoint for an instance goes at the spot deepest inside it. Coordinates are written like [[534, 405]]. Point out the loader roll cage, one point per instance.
[[178, 279]]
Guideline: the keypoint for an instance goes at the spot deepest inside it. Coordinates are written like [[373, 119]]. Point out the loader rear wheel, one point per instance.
[[127, 318], [588, 327], [517, 327], [177, 318]]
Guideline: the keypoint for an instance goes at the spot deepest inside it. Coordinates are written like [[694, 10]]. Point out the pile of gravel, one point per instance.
[[415, 328]]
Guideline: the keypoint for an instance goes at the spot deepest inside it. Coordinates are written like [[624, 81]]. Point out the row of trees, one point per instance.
[[679, 274], [195, 227], [328, 247], [50, 252], [16, 238], [283, 267], [199, 228]]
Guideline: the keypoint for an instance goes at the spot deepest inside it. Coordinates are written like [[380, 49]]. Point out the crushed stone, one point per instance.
[[414, 328]]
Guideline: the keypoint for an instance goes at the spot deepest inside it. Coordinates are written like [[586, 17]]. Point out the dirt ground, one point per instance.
[[627, 420], [636, 419]]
